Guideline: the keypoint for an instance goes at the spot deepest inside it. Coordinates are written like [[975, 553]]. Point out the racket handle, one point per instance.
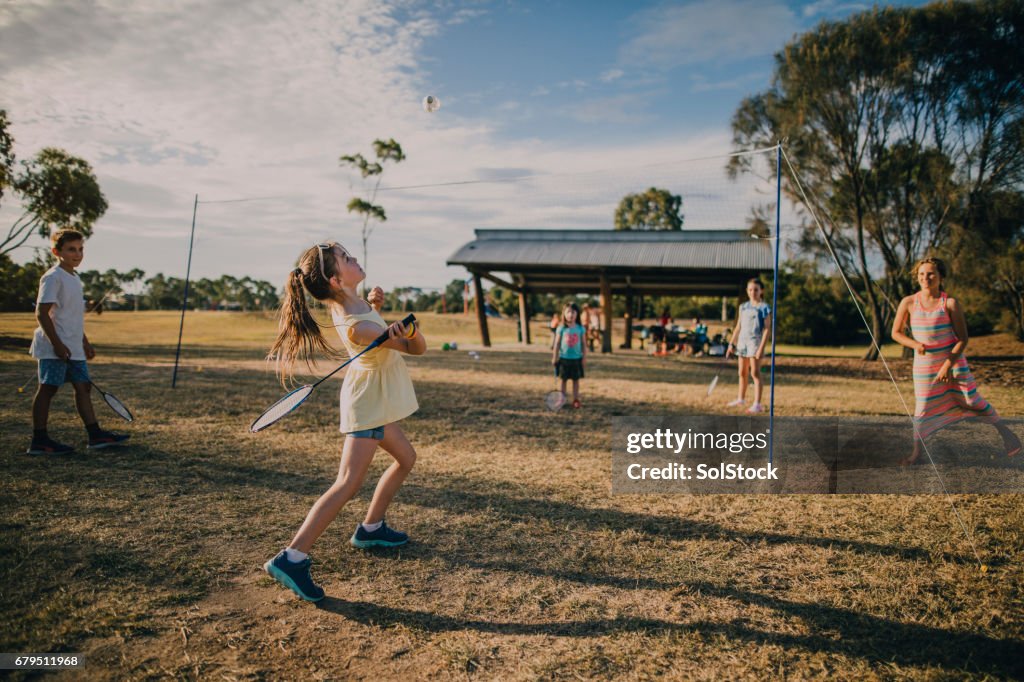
[[409, 319]]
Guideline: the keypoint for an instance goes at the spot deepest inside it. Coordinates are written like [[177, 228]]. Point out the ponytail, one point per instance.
[[299, 335]]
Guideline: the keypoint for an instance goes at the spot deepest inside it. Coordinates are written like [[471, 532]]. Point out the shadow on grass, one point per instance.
[[525, 510], [838, 631], [142, 467], [215, 458]]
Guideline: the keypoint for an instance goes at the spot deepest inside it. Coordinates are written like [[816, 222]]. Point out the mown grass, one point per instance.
[[523, 566]]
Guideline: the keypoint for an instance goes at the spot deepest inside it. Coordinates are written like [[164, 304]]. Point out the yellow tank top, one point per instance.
[[377, 389]]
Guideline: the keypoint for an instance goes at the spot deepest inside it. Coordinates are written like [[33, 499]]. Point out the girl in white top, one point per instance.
[[376, 393]]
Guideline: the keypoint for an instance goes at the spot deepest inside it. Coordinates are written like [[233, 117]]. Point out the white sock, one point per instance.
[[370, 527], [294, 555]]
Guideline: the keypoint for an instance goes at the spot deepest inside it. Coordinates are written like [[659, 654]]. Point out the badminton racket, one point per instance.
[[115, 404], [719, 366], [112, 401], [292, 400], [554, 400]]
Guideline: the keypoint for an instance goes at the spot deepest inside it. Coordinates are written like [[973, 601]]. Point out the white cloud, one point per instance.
[[707, 31], [625, 109], [612, 75], [465, 15], [833, 7], [259, 99], [702, 84]]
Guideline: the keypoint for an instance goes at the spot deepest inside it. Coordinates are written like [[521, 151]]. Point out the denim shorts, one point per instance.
[[376, 434], [747, 348], [53, 372]]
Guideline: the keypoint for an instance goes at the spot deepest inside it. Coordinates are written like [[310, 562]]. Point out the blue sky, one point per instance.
[[258, 99]]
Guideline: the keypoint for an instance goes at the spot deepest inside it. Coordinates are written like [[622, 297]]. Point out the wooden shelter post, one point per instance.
[[629, 319], [524, 317], [481, 312], [606, 313]]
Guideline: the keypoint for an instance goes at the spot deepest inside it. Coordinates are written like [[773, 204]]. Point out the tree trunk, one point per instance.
[[1019, 314], [877, 331]]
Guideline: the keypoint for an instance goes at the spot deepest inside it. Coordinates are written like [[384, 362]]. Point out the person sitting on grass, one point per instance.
[[570, 353], [62, 349], [699, 337], [753, 326]]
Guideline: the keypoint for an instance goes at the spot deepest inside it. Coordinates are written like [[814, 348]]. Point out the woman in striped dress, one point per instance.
[[944, 388]]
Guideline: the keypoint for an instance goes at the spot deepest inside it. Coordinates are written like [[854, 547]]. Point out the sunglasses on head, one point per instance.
[[320, 255]]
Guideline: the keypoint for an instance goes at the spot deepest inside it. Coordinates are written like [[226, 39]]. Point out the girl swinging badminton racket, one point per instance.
[[376, 394]]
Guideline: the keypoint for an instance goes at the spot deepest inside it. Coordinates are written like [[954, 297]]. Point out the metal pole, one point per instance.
[[775, 294], [184, 303]]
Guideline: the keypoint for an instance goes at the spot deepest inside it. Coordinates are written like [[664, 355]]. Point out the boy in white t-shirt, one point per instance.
[[62, 348]]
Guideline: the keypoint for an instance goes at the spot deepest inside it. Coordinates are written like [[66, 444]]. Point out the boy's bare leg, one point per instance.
[[83, 401], [41, 405]]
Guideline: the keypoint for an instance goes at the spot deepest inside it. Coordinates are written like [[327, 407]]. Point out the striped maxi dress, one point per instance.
[[943, 403]]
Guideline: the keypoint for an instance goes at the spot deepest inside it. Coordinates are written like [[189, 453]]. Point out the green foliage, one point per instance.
[[683, 308], [366, 168], [904, 125], [357, 205], [386, 151], [504, 301], [61, 191], [19, 284], [224, 293], [6, 155], [814, 309], [1008, 282], [58, 191], [453, 295], [655, 209]]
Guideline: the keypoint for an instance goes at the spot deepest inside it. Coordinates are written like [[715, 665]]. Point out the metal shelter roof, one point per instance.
[[686, 262]]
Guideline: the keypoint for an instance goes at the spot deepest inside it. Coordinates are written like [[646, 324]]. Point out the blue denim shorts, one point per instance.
[[376, 434], [53, 372]]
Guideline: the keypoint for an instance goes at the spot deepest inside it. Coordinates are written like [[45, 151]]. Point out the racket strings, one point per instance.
[[117, 406], [554, 400], [281, 408]]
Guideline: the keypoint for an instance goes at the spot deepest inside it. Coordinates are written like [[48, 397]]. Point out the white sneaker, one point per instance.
[[739, 402], [755, 408]]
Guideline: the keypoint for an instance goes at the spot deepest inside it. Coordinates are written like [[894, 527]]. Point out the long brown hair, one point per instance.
[[299, 335]]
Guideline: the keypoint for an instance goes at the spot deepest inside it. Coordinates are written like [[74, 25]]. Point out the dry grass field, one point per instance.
[[522, 565]]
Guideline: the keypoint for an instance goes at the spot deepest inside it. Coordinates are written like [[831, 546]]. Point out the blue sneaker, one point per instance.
[[105, 439], [294, 576], [48, 446], [382, 537]]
